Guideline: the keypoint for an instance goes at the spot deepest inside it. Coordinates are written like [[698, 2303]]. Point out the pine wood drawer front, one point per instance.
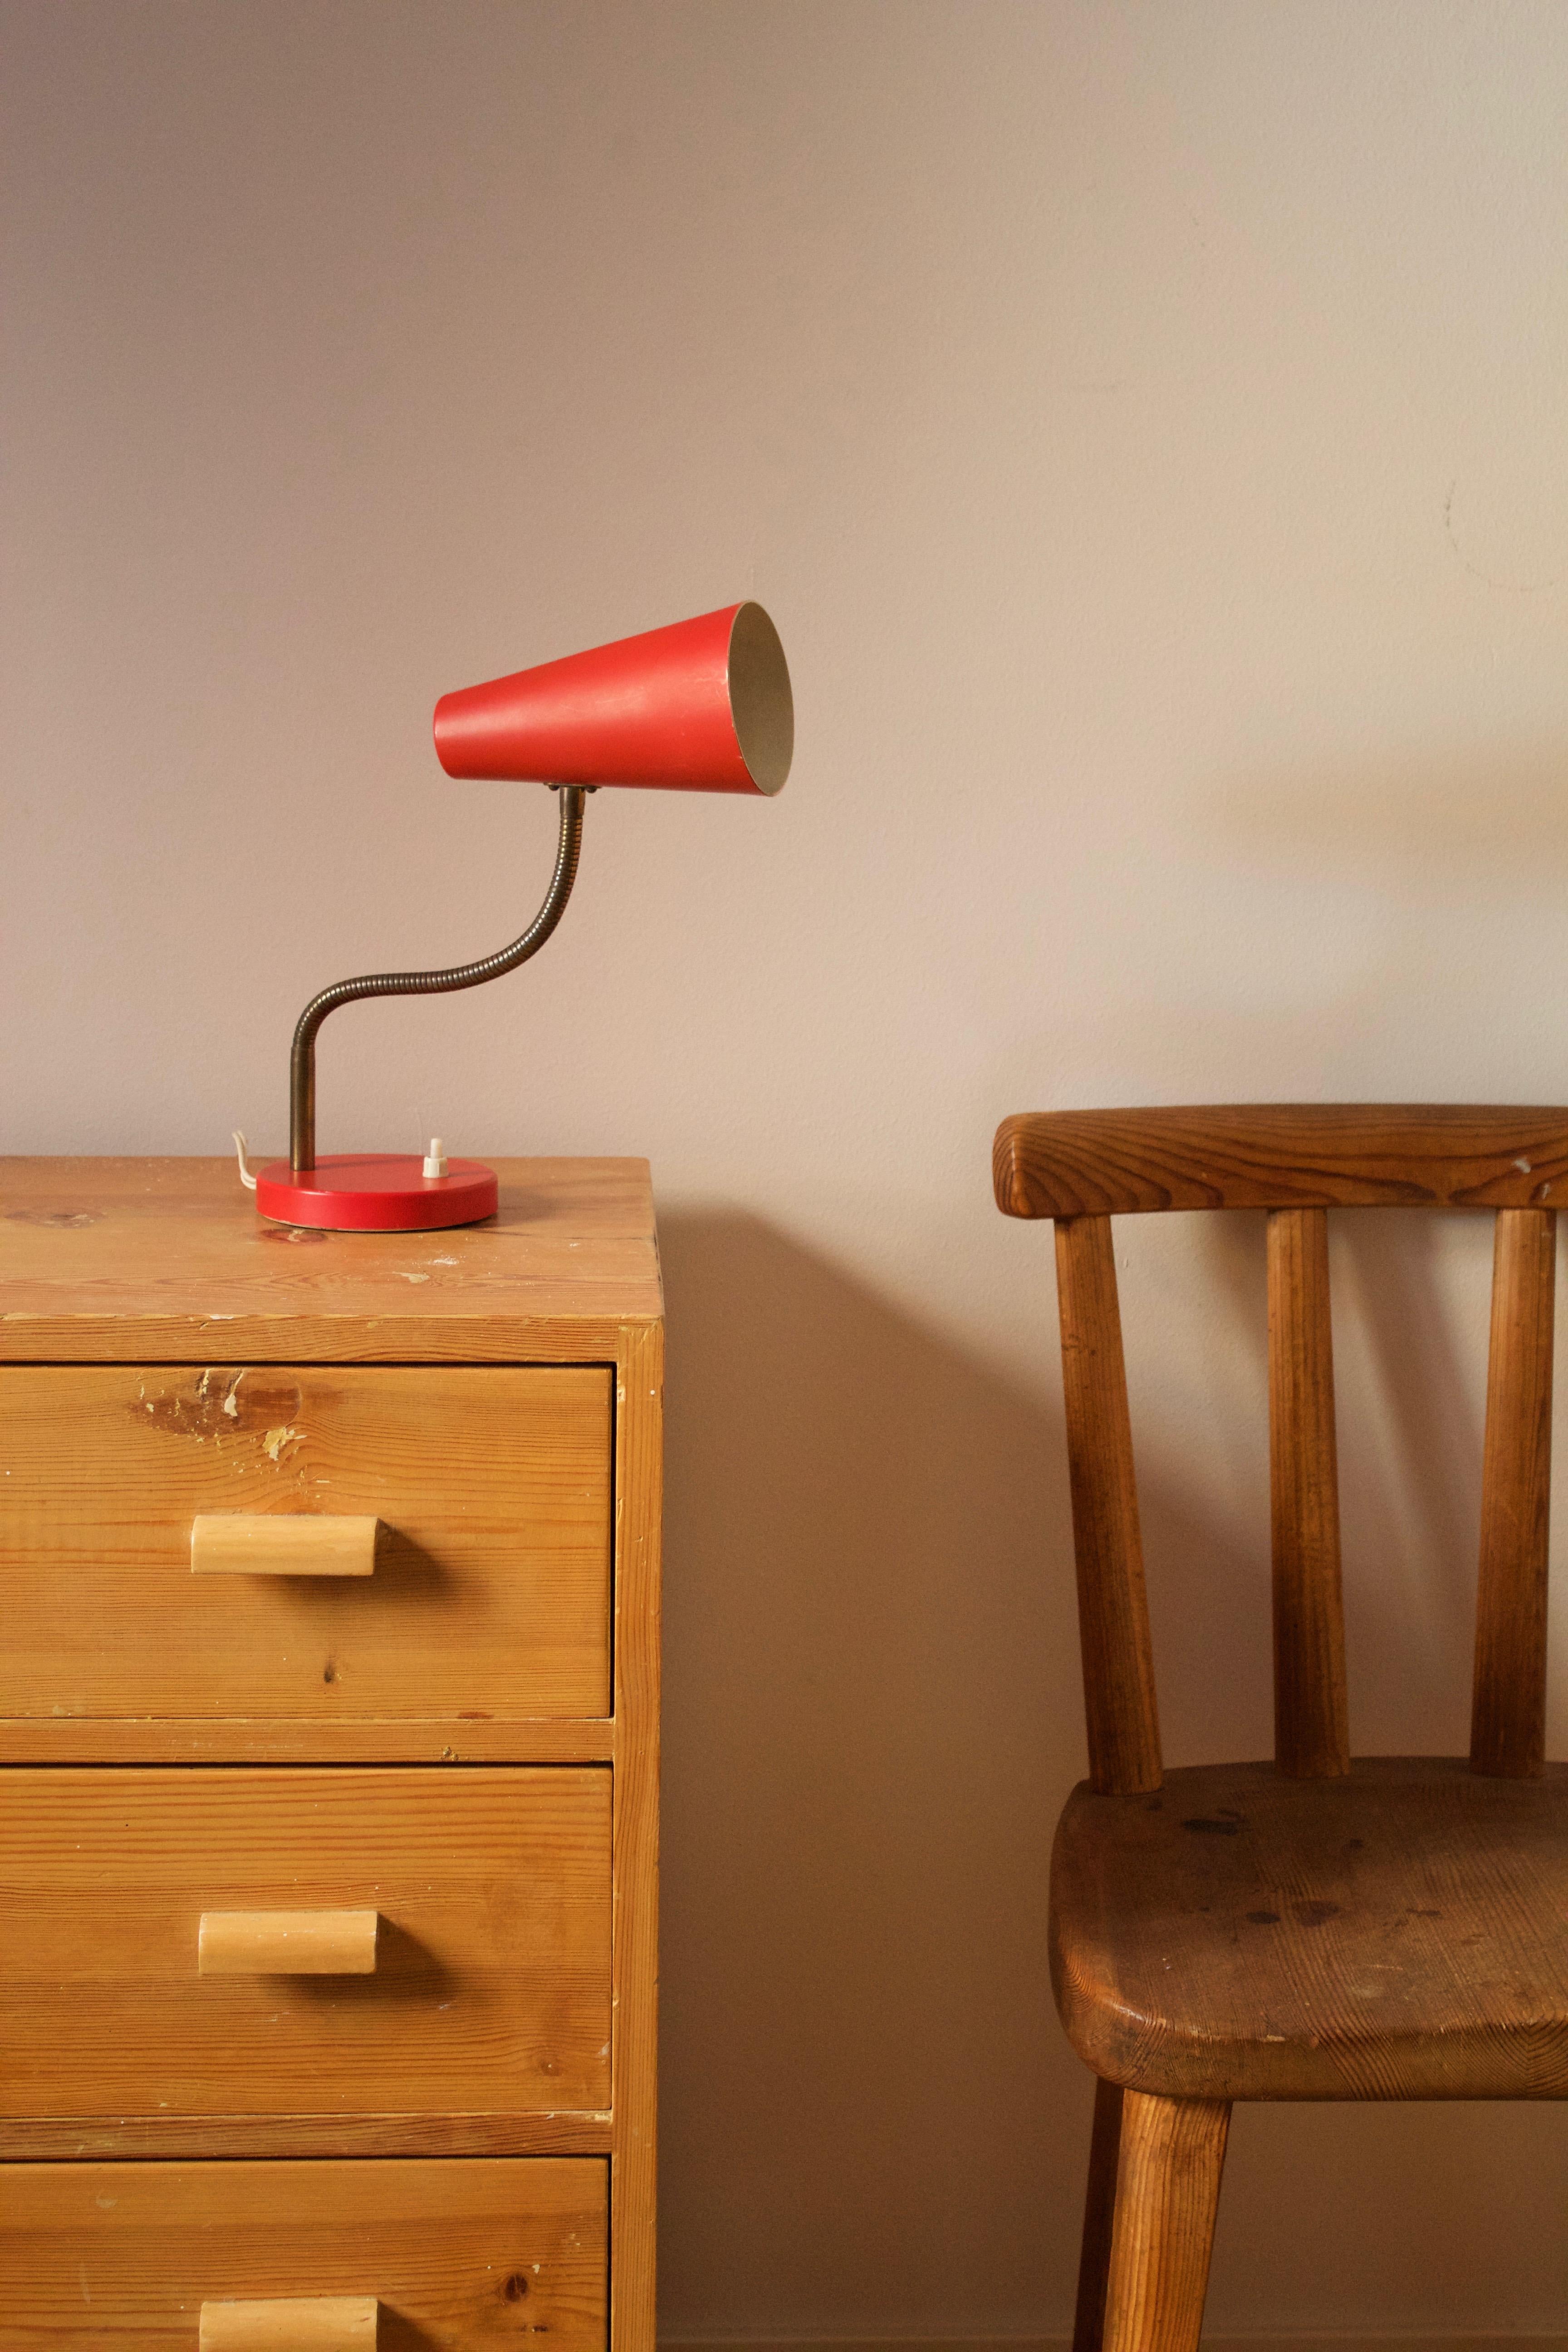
[[459, 2256], [489, 1597], [487, 2005]]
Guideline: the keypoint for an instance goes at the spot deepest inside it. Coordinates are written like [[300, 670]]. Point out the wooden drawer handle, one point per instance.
[[269, 1543], [294, 2323], [287, 1944]]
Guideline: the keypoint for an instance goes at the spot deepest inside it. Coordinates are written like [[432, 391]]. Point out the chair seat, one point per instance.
[[1401, 1933]]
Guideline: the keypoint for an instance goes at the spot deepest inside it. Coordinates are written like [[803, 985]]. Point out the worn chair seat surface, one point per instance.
[[1400, 1933]]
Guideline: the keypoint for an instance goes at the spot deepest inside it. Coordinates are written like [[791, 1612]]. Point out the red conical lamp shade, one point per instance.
[[702, 707]]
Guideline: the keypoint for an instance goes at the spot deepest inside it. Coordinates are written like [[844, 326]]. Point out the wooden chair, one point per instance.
[[1314, 1928]]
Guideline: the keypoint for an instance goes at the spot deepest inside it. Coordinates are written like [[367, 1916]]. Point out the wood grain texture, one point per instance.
[[1312, 1730], [1279, 1156], [278, 1543], [317, 2323], [1395, 1934], [463, 2256], [155, 1264], [491, 1595], [151, 1261], [1098, 2219], [493, 1984], [1173, 2157], [1508, 1720], [1322, 1930], [179, 1739], [1112, 1606], [459, 2131], [640, 1488]]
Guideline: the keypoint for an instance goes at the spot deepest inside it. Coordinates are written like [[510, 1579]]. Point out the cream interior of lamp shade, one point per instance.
[[760, 702]]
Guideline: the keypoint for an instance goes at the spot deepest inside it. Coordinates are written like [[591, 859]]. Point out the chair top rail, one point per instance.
[[1074, 1163]]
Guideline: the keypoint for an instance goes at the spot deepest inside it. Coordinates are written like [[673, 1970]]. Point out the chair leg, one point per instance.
[[1167, 2194], [1098, 2213]]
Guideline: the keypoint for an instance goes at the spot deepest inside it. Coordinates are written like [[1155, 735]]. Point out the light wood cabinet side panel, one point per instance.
[[639, 1491]]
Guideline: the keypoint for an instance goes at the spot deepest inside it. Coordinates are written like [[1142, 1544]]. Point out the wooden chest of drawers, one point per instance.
[[329, 1764]]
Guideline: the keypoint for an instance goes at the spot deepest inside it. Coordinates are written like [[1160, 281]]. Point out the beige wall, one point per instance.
[[1145, 424]]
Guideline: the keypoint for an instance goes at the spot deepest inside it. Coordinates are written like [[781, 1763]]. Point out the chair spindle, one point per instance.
[[1311, 1732], [1113, 1610], [1508, 1720]]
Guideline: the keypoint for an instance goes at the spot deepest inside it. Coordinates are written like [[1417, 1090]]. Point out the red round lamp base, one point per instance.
[[376, 1192]]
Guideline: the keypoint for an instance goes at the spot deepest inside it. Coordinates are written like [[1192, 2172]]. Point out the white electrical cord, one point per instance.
[[240, 1145]]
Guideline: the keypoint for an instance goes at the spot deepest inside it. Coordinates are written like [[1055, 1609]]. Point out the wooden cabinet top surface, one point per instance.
[[166, 1260]]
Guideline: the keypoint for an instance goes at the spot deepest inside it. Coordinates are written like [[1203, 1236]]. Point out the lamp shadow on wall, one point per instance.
[[870, 2120]]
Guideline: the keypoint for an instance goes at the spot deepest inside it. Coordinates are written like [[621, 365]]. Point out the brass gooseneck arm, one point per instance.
[[302, 1061]]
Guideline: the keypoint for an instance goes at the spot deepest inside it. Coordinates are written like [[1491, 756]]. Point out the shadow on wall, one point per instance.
[[872, 1711], [871, 2122]]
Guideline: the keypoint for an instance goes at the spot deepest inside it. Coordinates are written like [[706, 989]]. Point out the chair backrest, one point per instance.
[[1297, 1161]]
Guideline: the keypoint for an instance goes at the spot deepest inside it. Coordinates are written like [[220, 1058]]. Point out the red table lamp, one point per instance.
[[703, 706]]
